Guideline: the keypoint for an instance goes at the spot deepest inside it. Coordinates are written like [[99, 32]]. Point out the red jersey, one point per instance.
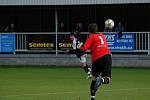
[[98, 46]]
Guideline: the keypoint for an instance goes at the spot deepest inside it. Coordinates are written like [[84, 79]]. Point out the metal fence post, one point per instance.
[[14, 43], [56, 29], [148, 43], [0, 43]]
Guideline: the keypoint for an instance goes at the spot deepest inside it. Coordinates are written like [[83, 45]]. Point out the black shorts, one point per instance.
[[102, 66]]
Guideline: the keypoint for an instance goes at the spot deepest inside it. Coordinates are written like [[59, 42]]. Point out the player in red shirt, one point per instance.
[[101, 58]]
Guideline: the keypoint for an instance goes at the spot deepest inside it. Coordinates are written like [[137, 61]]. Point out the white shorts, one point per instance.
[[82, 59]]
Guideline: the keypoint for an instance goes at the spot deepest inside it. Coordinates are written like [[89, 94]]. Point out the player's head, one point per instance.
[[93, 28], [73, 35]]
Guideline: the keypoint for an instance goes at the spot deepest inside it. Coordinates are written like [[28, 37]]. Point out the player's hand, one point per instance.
[[79, 45]]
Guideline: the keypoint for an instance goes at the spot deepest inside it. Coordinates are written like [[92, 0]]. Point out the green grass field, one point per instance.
[[70, 84]]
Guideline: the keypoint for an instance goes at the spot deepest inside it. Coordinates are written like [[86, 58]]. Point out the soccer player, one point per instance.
[[80, 54], [101, 58]]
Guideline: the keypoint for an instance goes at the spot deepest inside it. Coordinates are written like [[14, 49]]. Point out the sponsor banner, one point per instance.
[[41, 42], [64, 42], [48, 41], [7, 42], [126, 43]]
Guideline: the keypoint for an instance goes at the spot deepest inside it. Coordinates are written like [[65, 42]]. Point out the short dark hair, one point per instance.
[[93, 28], [74, 34]]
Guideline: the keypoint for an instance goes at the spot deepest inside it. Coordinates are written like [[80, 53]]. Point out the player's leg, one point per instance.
[[85, 66], [105, 63], [88, 70], [106, 73], [96, 80], [95, 84]]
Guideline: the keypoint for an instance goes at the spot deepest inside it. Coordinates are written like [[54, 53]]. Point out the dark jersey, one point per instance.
[[76, 48]]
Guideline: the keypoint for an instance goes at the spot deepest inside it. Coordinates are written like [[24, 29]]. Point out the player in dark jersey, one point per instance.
[[80, 54], [101, 59]]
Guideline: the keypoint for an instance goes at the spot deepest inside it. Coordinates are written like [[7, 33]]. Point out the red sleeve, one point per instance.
[[87, 44]]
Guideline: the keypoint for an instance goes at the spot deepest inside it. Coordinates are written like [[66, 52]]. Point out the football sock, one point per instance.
[[98, 83], [92, 90], [94, 87], [86, 68], [92, 97]]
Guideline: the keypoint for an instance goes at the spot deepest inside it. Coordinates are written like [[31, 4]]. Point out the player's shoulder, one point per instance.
[[96, 34], [102, 34]]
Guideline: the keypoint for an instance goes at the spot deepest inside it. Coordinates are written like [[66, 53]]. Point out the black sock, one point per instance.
[[93, 98], [86, 68], [93, 88]]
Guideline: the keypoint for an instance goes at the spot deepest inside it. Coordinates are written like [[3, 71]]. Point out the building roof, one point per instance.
[[68, 2]]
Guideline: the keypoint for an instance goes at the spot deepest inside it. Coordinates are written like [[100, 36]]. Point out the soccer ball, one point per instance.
[[109, 24]]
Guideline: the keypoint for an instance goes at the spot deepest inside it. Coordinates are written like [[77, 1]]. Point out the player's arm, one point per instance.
[[87, 44]]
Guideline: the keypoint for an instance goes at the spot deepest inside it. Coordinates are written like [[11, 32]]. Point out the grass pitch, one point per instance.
[[70, 84]]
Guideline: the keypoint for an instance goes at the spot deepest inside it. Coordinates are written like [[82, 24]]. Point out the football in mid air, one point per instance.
[[109, 24]]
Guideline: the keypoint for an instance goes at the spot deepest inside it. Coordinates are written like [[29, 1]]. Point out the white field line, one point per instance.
[[54, 93]]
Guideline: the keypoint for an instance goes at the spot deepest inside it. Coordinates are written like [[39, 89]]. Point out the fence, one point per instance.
[[59, 43], [142, 42]]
